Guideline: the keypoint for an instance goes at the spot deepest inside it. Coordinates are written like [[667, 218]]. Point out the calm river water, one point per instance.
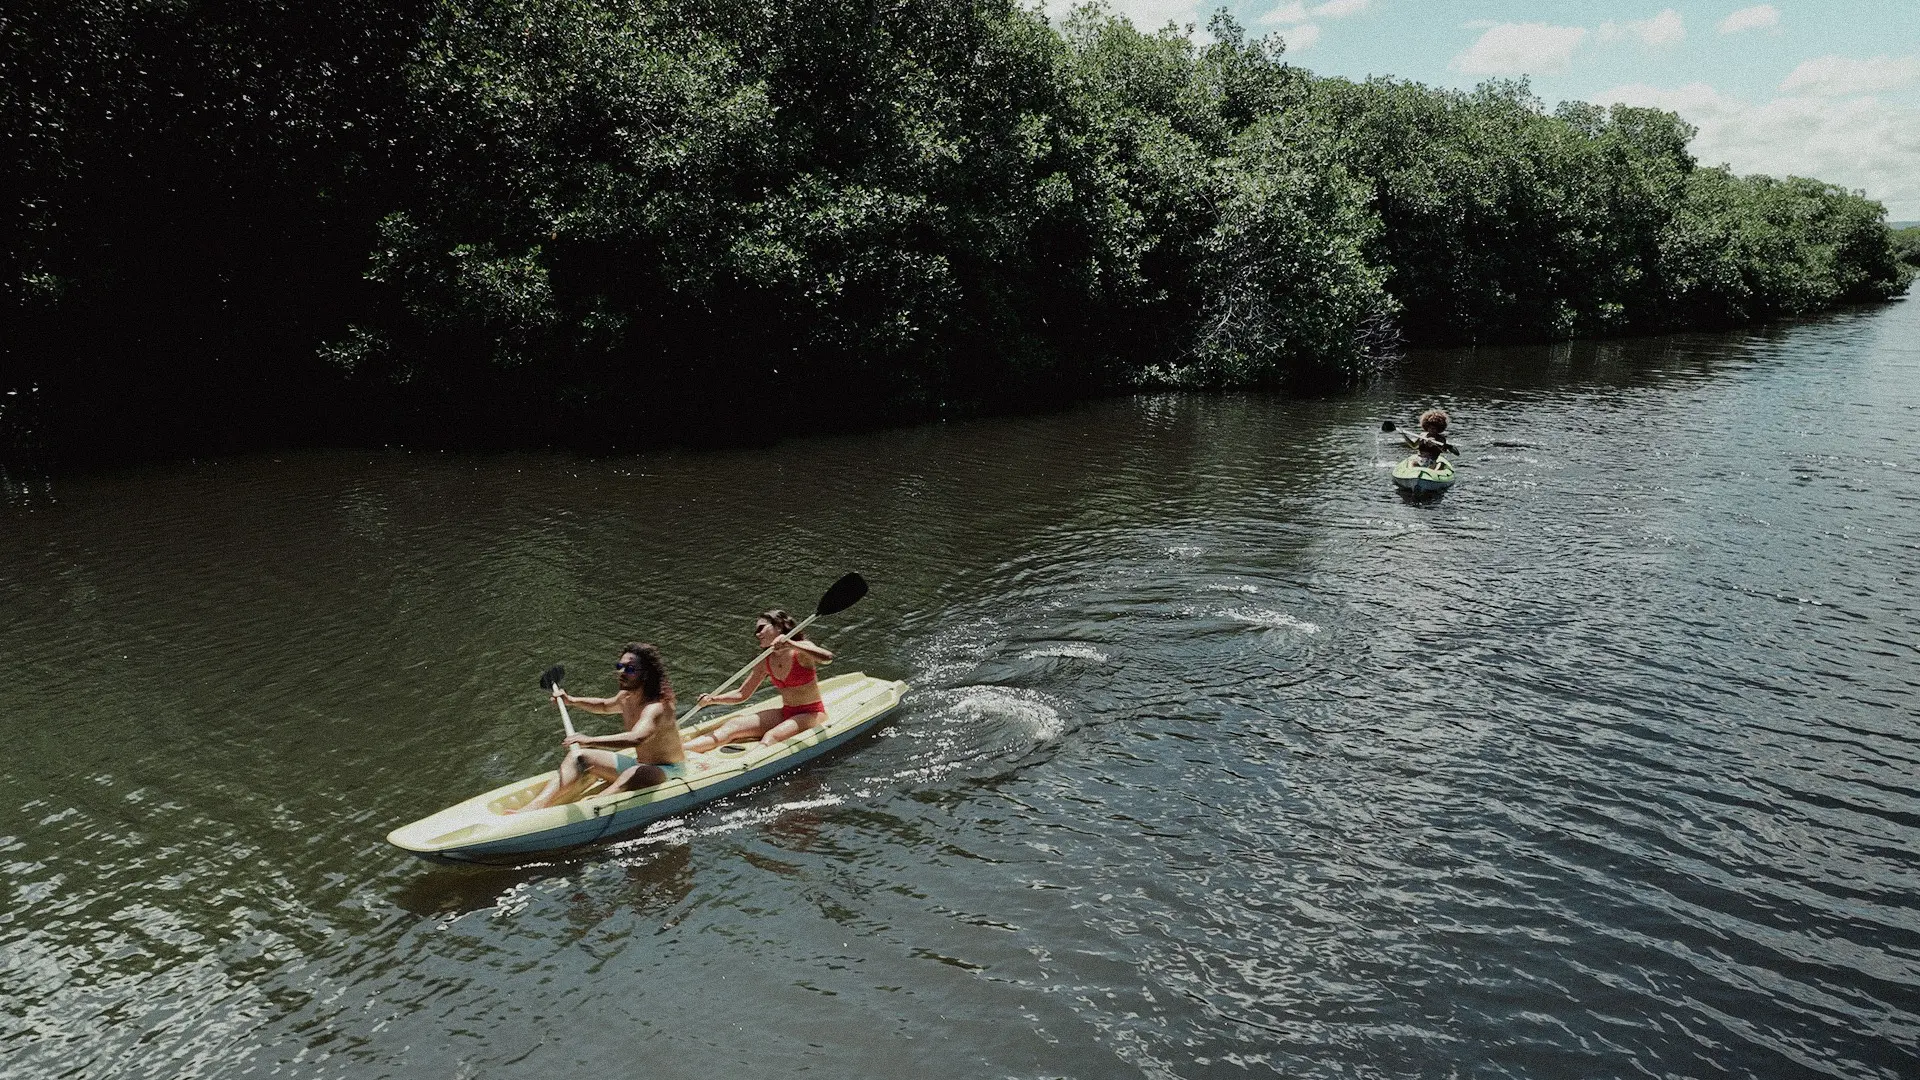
[[1220, 760]]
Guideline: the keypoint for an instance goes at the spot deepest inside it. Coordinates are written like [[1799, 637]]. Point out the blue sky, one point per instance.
[[1814, 89]]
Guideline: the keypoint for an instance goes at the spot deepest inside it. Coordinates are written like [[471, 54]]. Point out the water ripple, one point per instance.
[[1220, 758]]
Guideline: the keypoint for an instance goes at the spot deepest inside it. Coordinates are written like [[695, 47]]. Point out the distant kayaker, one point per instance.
[[791, 669], [645, 753], [1432, 440]]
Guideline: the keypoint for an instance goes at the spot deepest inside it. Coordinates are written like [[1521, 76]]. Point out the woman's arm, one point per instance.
[[813, 654], [736, 697]]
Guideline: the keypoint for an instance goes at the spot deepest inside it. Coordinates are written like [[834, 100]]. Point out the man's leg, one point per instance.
[[578, 767], [635, 778]]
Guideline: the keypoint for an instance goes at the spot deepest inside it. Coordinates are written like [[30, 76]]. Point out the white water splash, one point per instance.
[[513, 901], [1271, 620], [1067, 651], [958, 649], [745, 816], [1010, 707]]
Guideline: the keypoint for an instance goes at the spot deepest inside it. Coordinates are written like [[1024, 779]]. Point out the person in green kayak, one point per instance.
[[646, 752], [791, 667], [1432, 440]]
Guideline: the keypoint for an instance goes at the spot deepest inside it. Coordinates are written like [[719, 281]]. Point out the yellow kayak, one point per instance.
[[480, 830]]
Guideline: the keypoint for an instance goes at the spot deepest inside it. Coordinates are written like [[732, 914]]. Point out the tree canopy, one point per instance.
[[505, 221]]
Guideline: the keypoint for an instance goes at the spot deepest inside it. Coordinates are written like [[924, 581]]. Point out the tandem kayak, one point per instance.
[[480, 831], [1409, 476]]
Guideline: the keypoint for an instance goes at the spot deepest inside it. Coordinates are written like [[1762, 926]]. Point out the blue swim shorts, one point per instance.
[[675, 770]]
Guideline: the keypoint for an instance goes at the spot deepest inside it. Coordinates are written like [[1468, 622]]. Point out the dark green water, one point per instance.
[[1221, 759]]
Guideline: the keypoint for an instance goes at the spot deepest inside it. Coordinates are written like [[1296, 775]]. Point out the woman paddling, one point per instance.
[[791, 668]]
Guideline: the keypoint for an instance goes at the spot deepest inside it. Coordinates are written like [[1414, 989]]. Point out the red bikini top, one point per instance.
[[797, 675]]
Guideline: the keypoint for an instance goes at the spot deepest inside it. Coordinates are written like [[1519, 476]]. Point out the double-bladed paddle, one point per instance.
[[840, 596], [550, 682], [1387, 425]]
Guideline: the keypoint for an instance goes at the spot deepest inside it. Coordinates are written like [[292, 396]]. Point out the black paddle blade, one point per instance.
[[842, 595], [551, 677], [1386, 425]]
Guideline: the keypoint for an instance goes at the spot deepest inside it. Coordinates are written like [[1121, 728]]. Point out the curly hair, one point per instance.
[[653, 671], [782, 622], [1434, 420]]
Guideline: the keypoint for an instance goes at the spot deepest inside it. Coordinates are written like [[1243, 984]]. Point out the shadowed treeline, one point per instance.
[[510, 222]]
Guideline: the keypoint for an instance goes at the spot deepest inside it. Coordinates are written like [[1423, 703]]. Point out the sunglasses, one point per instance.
[[630, 669]]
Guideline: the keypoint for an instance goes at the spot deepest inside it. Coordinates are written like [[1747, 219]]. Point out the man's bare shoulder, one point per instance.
[[633, 703]]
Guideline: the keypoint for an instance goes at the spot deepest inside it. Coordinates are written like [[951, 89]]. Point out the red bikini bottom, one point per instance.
[[788, 712]]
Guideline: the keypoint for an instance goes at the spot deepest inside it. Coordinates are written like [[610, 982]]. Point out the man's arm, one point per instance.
[[593, 704], [641, 731]]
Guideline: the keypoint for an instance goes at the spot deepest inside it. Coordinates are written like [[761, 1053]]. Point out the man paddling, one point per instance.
[[645, 753]]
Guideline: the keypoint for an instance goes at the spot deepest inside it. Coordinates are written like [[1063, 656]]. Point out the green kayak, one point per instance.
[[1410, 476]]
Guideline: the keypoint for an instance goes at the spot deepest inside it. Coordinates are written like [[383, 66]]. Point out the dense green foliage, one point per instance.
[[1906, 245], [497, 220], [191, 184]]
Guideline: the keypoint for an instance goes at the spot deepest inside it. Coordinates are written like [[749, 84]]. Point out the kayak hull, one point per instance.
[[480, 830], [1409, 476]]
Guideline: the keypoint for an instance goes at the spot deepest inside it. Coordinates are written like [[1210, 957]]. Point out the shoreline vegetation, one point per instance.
[[618, 223]]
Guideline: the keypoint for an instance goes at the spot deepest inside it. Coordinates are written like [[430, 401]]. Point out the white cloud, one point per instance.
[[1298, 12], [1300, 37], [1340, 9], [1544, 49], [1151, 15], [1758, 17], [1299, 32], [1295, 17], [1521, 49], [1858, 142], [1666, 28], [1832, 75], [1285, 15]]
